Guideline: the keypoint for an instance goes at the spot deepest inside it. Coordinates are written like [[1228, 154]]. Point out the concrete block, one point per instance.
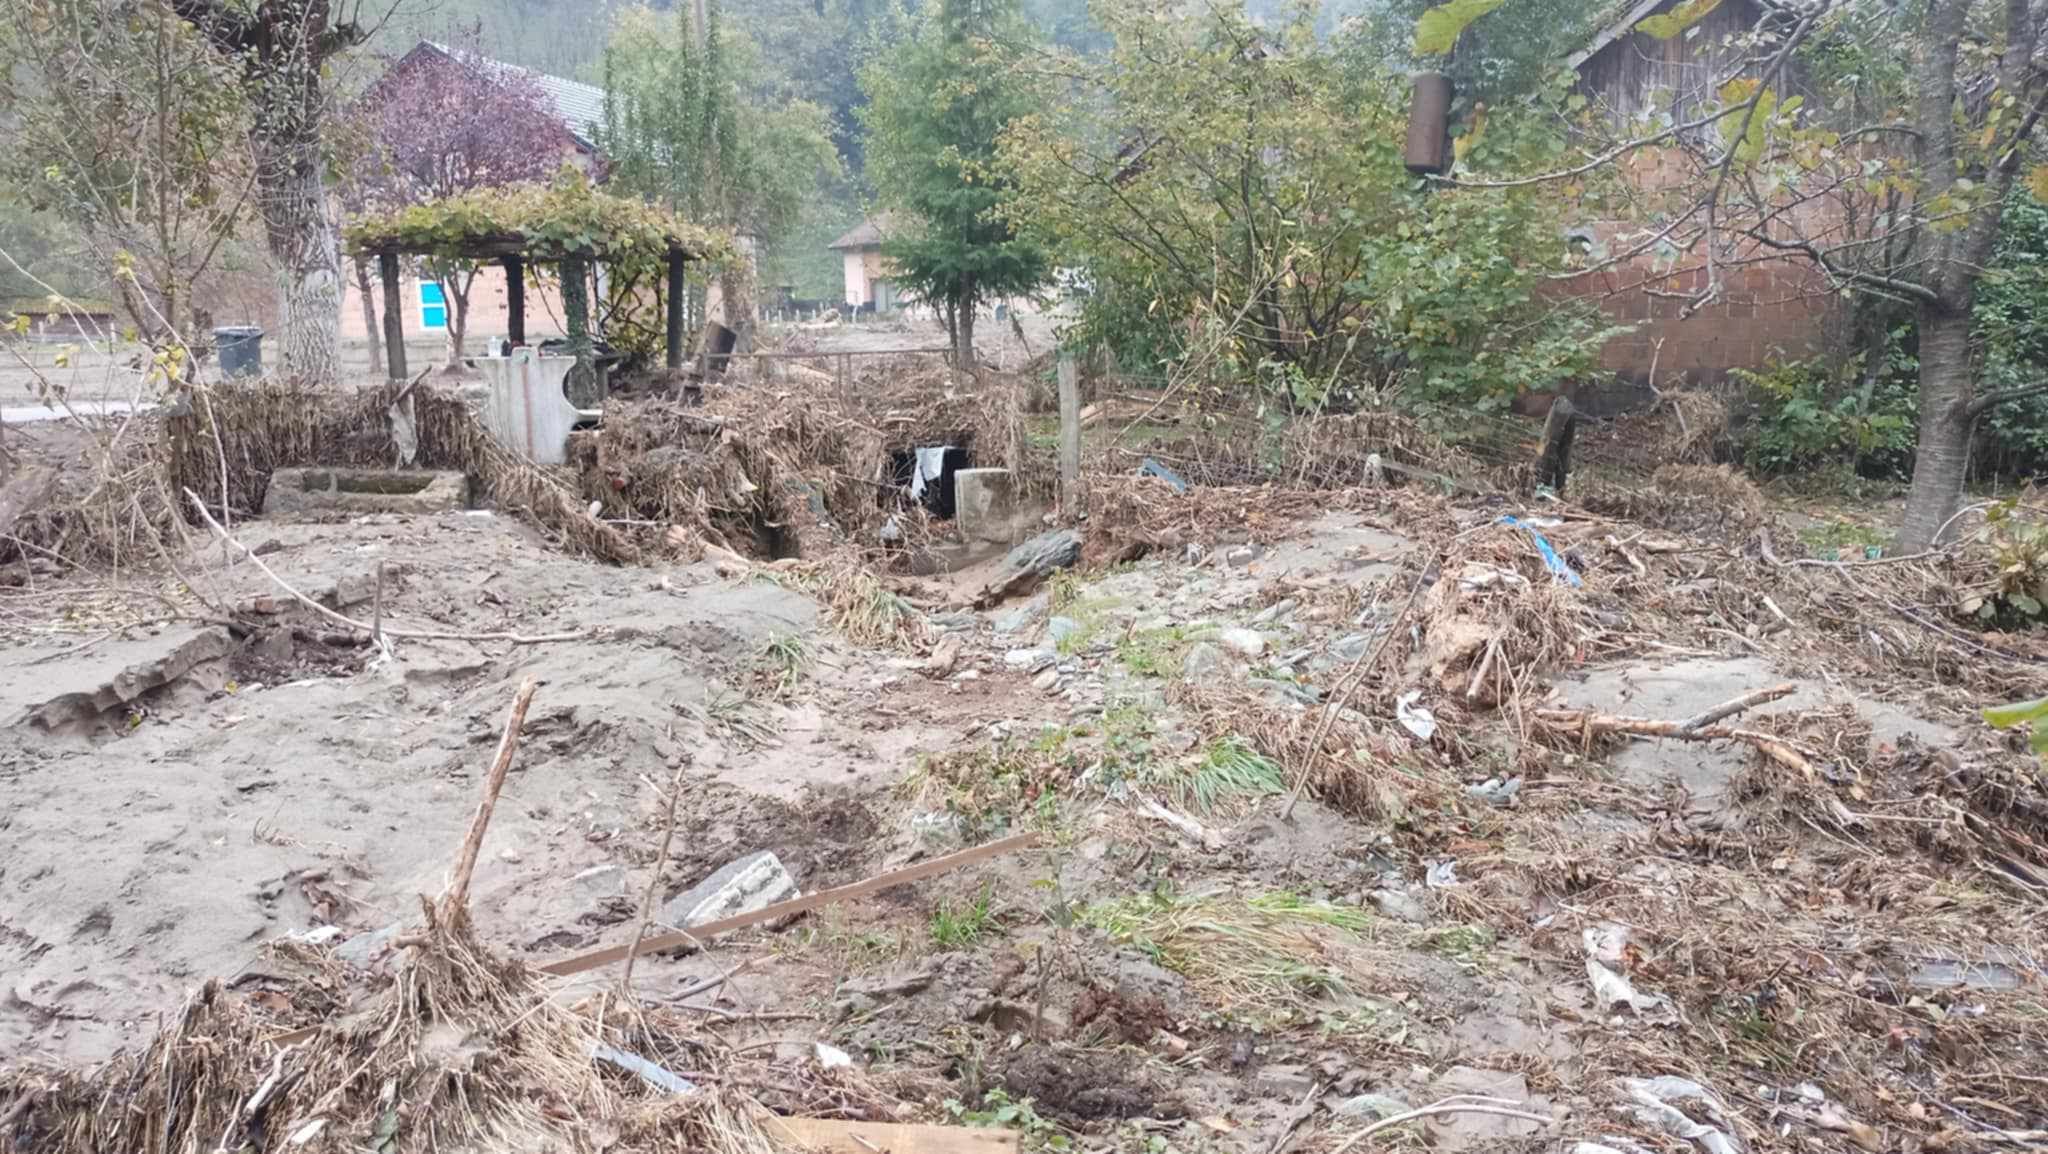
[[754, 882], [986, 507], [320, 490]]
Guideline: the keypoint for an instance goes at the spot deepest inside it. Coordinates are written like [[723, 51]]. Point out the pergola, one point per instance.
[[567, 223]]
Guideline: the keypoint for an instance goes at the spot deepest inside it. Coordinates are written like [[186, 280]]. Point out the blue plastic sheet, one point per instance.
[[1551, 560], [1152, 468]]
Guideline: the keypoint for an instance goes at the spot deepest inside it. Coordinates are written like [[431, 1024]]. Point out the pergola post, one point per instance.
[[675, 309], [515, 300], [394, 316], [581, 386]]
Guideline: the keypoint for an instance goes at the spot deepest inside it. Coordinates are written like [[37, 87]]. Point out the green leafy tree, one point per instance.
[[684, 128], [937, 105], [1914, 127], [283, 52], [126, 128], [1238, 191]]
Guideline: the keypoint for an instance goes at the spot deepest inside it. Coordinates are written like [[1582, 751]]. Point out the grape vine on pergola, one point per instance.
[[567, 223]]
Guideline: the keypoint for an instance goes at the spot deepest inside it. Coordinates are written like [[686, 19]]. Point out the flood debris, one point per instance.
[[1306, 808]]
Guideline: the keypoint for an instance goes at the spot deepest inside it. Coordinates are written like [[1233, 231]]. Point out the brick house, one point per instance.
[[1777, 308], [579, 108]]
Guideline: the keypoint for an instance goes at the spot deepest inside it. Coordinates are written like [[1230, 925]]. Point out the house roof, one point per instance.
[[579, 106], [1623, 21], [868, 233]]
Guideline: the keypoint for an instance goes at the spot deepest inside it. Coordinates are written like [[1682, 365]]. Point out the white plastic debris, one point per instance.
[[1606, 943], [1441, 875], [1416, 719], [1611, 990], [654, 1075], [832, 1057], [1657, 1104]]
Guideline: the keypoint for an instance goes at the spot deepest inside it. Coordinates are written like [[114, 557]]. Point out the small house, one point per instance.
[[868, 287], [578, 109]]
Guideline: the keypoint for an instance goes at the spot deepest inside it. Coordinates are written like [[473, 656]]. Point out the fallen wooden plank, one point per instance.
[[840, 1137], [709, 930]]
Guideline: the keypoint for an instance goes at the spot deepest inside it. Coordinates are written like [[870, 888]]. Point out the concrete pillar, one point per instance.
[[515, 300], [1073, 495]]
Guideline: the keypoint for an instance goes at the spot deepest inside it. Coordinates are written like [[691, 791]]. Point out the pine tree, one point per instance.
[[937, 105]]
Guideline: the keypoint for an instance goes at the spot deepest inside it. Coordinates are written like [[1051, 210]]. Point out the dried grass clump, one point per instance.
[[1693, 499], [861, 606], [462, 1050], [261, 426]]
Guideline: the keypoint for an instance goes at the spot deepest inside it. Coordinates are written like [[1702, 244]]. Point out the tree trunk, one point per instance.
[[456, 290], [736, 283], [963, 341], [370, 322], [1943, 453], [301, 242]]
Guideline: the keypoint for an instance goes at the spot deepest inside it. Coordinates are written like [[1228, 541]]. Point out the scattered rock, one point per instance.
[[1060, 628], [944, 655], [1373, 1106], [1241, 556], [1046, 681], [1400, 906], [1029, 658], [751, 883], [1203, 662], [361, 950], [1246, 643], [1024, 616], [1030, 562], [1287, 1081], [1275, 611], [1018, 1018], [1494, 791]]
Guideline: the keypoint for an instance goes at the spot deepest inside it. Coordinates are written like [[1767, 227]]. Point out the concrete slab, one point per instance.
[[322, 490], [1683, 688], [57, 695], [987, 509]]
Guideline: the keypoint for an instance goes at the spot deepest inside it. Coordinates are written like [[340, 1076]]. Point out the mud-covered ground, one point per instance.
[[1190, 960]]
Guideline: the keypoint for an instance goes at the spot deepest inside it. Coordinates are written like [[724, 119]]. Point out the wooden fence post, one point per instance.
[[1073, 495]]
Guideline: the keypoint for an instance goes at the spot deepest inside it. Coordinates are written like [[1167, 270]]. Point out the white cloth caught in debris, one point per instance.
[[931, 464]]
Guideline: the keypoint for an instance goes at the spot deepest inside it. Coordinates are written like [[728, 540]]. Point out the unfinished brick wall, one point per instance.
[[1777, 310]]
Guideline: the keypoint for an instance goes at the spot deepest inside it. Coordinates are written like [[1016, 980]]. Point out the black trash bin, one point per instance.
[[241, 350]]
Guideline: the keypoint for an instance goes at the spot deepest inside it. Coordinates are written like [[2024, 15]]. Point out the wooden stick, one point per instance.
[[1445, 1107], [457, 897], [805, 904], [1581, 721], [668, 834], [1479, 674], [352, 623], [711, 983], [1730, 708]]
